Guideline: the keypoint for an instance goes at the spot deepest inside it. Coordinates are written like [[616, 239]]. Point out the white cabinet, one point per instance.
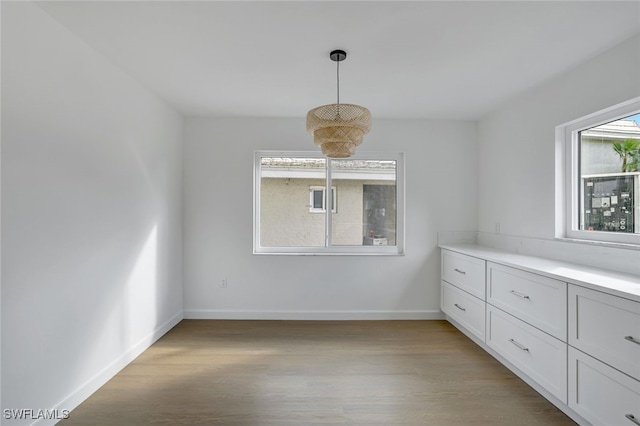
[[466, 309], [463, 291], [539, 355], [527, 324], [565, 329], [604, 357], [601, 394], [465, 272], [606, 327], [535, 299]]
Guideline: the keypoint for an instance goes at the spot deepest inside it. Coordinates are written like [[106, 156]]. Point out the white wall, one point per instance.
[[91, 215], [441, 175], [517, 152]]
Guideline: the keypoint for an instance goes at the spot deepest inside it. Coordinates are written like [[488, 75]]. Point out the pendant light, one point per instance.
[[338, 128]]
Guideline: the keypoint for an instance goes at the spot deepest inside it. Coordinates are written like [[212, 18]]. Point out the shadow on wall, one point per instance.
[[83, 337], [125, 321], [133, 305]]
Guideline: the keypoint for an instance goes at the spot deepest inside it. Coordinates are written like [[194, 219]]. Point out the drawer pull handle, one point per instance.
[[459, 307], [632, 339], [632, 418], [520, 346], [460, 271], [524, 296]]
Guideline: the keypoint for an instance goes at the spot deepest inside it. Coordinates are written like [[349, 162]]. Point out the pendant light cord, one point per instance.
[[338, 87], [338, 79]]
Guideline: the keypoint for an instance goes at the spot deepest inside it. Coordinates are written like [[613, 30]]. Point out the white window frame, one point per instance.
[[568, 175], [329, 249], [323, 209]]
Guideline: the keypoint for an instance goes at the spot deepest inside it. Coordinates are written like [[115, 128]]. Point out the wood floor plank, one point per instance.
[[315, 373]]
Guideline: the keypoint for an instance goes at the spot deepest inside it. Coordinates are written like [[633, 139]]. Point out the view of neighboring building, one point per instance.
[[597, 151], [610, 176], [293, 202]]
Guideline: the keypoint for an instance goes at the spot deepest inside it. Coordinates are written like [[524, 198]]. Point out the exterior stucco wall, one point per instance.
[[287, 222], [598, 156], [347, 221]]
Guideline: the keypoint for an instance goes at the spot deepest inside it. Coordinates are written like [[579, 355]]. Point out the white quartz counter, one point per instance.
[[616, 283]]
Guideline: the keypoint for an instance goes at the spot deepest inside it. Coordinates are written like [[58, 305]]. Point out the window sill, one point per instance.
[[262, 253], [606, 244]]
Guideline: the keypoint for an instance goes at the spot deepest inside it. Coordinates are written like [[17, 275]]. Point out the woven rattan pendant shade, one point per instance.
[[338, 128]]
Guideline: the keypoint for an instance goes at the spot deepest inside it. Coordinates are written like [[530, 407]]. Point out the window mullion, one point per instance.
[[327, 203]]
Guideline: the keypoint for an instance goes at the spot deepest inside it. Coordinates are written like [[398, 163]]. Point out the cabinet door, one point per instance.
[[600, 394], [538, 355], [465, 272], [466, 309], [537, 300], [606, 327]]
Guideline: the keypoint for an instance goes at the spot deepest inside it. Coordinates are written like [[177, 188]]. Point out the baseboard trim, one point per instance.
[[313, 315], [103, 376]]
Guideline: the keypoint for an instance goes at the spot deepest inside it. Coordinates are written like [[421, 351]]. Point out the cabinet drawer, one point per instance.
[[606, 327], [537, 300], [600, 394], [465, 272], [464, 308], [541, 357]]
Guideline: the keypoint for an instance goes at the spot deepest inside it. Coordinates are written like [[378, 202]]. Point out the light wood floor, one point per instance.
[[315, 372]]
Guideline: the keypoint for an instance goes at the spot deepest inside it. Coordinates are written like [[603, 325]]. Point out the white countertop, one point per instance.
[[616, 283]]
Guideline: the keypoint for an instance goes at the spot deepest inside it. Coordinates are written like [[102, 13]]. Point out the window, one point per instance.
[[600, 193], [290, 203], [317, 199]]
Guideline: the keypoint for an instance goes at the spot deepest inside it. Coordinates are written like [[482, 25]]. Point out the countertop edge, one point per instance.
[[604, 280]]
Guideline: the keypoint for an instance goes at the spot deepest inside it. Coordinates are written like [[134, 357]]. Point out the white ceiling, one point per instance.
[[420, 59]]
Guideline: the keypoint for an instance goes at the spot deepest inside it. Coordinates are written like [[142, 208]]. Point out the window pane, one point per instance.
[[366, 194], [292, 204], [285, 217], [333, 199], [318, 196], [609, 176]]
